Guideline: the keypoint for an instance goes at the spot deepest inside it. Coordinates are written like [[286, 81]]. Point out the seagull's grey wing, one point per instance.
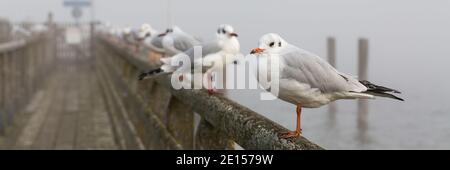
[[310, 69], [157, 42], [207, 48], [184, 42]]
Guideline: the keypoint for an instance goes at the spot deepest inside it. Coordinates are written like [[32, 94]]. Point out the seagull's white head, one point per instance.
[[145, 31], [168, 31], [227, 39], [173, 30], [226, 31], [270, 43]]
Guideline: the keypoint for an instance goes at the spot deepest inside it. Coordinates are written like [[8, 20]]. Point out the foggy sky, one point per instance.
[[399, 30], [416, 31]]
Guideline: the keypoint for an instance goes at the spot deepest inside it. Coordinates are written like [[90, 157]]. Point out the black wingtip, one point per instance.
[[150, 73], [384, 94], [398, 98], [142, 76], [396, 91], [376, 88]]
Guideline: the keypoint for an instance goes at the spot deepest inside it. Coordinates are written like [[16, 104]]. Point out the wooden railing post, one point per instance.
[[210, 138], [8, 90], [3, 82], [160, 98], [180, 123]]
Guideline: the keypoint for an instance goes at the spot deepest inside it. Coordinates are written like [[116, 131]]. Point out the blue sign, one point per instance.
[[77, 3]]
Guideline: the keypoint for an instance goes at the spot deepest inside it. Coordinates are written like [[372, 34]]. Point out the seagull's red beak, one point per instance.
[[257, 51]]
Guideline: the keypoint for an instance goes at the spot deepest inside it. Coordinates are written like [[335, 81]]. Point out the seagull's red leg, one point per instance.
[[211, 90], [137, 48], [298, 129]]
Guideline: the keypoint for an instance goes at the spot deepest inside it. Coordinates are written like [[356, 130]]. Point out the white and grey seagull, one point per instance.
[[130, 37], [216, 54], [308, 81], [152, 38]]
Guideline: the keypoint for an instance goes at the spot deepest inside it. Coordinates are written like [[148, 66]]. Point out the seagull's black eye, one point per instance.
[[279, 44], [223, 31], [272, 44]]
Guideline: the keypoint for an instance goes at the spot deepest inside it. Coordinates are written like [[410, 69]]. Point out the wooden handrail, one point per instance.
[[222, 121]]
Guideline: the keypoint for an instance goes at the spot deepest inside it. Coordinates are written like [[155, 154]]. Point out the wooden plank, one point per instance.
[[67, 130], [85, 135], [180, 123], [48, 132], [102, 127], [123, 126], [31, 130]]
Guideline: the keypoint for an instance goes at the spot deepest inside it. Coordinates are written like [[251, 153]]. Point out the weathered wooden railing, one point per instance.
[[151, 115], [23, 66]]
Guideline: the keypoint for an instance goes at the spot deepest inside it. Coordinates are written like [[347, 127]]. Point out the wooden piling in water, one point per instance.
[[331, 53], [363, 64]]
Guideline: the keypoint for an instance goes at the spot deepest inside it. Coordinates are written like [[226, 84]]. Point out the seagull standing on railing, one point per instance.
[[225, 47], [308, 81], [129, 35], [126, 35], [176, 41], [152, 39]]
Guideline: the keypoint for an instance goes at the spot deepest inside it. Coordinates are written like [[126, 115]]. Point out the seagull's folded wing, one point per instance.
[[310, 69]]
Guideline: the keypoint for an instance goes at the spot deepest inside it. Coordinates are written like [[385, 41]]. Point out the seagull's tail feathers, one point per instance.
[[384, 94], [153, 73], [164, 69], [380, 91]]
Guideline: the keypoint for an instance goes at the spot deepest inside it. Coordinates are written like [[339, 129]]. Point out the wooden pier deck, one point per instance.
[[68, 112]]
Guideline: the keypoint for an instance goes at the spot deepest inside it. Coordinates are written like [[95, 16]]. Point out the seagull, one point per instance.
[[176, 41], [308, 81], [214, 52], [129, 35], [152, 39], [19, 32]]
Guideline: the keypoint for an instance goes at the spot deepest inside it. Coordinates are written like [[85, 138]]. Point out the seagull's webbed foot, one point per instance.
[[214, 91], [298, 129], [291, 134]]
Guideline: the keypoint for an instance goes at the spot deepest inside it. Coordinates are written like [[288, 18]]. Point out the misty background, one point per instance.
[[408, 50]]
